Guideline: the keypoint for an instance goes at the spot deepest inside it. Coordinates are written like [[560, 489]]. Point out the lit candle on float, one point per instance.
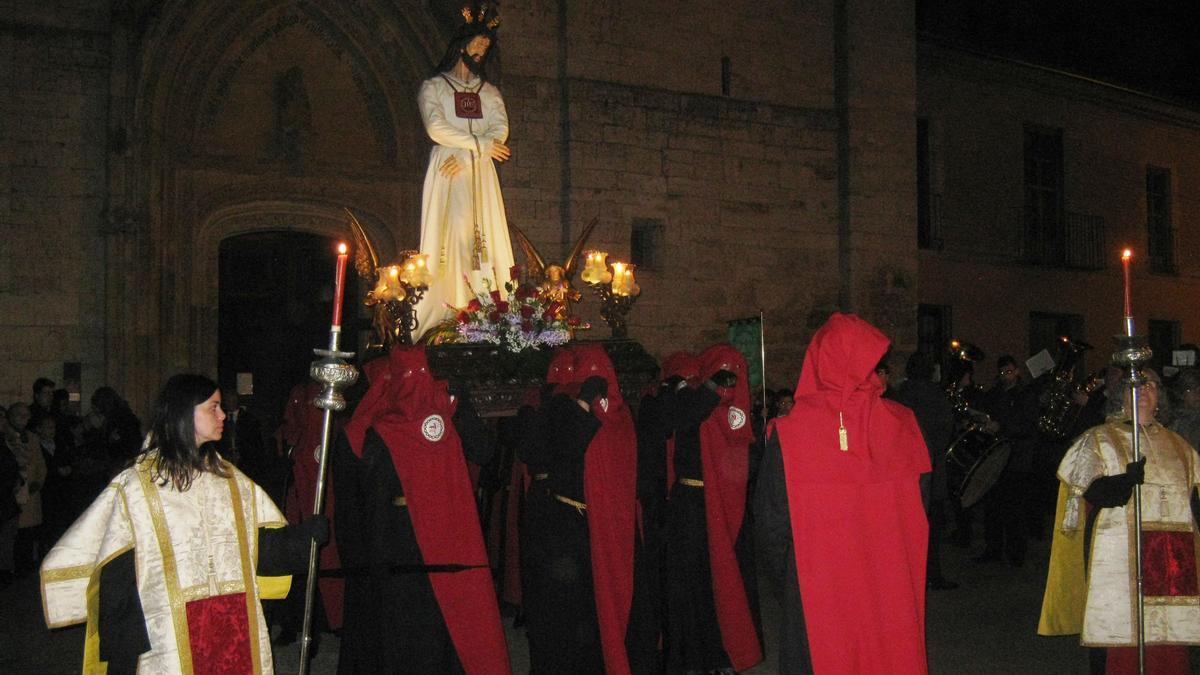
[[1126, 258], [421, 274], [594, 269], [618, 278], [339, 285]]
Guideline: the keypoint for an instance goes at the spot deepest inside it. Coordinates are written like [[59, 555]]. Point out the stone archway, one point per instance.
[[327, 220], [300, 108]]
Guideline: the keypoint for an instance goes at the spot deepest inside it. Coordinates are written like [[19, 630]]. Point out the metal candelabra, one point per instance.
[[334, 371]]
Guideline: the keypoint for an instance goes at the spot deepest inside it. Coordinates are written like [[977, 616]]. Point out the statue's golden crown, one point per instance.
[[482, 14]]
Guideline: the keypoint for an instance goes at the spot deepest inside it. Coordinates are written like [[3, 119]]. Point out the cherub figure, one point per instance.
[[554, 280]]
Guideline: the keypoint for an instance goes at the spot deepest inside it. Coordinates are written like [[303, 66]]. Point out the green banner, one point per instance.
[[746, 336]]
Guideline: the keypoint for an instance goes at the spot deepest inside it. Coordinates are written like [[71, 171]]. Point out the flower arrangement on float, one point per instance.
[[518, 318]]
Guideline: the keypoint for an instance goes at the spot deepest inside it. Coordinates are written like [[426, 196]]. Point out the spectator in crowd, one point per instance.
[[43, 398], [784, 400], [1187, 409], [57, 511], [12, 491], [27, 449], [114, 432]]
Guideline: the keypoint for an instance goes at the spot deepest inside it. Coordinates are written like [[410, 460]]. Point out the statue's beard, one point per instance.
[[473, 63]]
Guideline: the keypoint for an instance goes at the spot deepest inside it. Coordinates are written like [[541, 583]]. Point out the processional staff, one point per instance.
[[332, 370], [1132, 351]]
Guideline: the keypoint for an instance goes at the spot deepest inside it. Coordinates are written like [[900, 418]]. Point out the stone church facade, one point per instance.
[[771, 146]]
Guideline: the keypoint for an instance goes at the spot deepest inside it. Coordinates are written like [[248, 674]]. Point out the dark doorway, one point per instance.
[[276, 300]]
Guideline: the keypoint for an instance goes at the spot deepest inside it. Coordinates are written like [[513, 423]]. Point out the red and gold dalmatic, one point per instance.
[[195, 553]]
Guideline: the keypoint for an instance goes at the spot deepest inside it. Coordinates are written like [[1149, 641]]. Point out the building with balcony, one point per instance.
[[1030, 181]]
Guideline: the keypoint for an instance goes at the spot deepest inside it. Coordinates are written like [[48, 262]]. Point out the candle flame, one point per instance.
[[342, 248], [1127, 254]]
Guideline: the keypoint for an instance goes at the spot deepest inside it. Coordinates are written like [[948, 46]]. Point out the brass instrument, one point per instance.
[[1061, 399], [962, 358]]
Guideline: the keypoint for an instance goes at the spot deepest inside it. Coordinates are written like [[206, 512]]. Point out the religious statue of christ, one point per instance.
[[464, 231]]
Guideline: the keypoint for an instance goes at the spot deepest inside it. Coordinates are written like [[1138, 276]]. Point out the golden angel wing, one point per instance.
[[573, 257], [366, 260], [537, 265]]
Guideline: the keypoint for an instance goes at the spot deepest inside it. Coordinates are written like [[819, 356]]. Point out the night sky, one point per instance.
[[1145, 45]]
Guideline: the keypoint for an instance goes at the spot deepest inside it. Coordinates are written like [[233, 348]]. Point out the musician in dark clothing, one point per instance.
[[1013, 411], [419, 594], [935, 416]]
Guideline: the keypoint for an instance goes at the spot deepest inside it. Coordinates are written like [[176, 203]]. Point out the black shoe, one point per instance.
[[986, 557], [941, 584]]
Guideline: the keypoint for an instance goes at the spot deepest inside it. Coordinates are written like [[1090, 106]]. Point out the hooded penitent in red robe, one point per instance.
[[852, 462], [610, 490], [412, 413], [301, 430], [725, 438]]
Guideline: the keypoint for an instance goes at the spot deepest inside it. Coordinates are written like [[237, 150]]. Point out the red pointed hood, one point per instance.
[[842, 357], [399, 381], [591, 360], [683, 364]]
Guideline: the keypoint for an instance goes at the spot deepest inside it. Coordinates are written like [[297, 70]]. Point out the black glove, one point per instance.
[[724, 378], [1112, 491], [594, 387], [671, 383], [1136, 471], [317, 528]]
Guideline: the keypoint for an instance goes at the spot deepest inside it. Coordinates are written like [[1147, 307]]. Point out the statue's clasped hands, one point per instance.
[[452, 167], [500, 151]]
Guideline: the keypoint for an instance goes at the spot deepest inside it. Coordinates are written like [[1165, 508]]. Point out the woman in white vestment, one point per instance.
[[1091, 585], [169, 563]]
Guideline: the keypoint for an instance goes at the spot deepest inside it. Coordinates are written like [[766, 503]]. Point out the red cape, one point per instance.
[[725, 439], [302, 430], [858, 524], [610, 490], [413, 415]]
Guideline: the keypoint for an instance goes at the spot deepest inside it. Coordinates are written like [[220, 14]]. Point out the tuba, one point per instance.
[[961, 359], [1060, 399]]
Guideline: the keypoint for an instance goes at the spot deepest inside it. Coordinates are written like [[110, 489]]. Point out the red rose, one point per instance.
[[522, 292], [463, 317], [495, 296], [502, 306], [494, 317], [526, 311], [474, 305], [547, 316], [573, 321], [527, 326], [514, 272]]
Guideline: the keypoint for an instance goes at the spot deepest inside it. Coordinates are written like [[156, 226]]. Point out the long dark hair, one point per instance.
[[172, 441]]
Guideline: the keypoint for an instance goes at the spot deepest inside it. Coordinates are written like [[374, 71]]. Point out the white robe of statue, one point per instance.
[[454, 208]]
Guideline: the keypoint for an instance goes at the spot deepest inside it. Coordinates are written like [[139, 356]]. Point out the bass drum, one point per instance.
[[973, 465]]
